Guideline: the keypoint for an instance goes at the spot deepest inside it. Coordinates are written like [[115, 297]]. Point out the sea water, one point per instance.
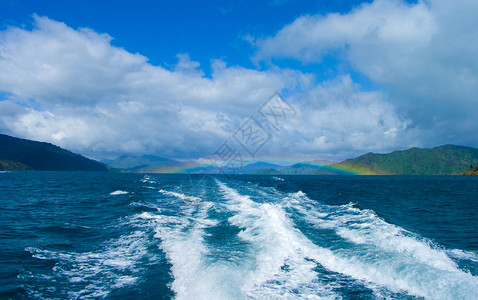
[[100, 235]]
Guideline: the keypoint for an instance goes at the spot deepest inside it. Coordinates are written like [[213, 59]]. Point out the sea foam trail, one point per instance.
[[284, 262], [183, 240], [283, 268], [384, 254]]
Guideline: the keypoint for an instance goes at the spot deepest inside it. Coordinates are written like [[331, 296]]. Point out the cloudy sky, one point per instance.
[[180, 78]]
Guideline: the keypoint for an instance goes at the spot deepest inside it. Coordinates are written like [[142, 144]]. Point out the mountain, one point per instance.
[[106, 161], [156, 164], [21, 154], [136, 163], [443, 160], [305, 168], [258, 166], [302, 168]]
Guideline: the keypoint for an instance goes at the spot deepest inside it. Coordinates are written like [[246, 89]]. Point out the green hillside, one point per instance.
[[20, 154], [443, 160]]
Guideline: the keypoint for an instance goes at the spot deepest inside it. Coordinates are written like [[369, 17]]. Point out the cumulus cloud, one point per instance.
[[338, 119], [73, 88], [425, 55], [308, 38]]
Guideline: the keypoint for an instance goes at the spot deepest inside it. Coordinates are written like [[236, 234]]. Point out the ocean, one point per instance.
[[75, 235]]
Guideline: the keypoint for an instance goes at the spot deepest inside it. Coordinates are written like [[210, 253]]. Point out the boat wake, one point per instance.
[[290, 246], [240, 240]]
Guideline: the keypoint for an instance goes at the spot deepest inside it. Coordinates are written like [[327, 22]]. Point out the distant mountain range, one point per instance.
[[443, 160], [139, 163], [21, 154], [303, 168], [155, 164]]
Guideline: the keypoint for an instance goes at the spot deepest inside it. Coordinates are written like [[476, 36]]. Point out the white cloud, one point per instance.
[[337, 119], [425, 55], [382, 23], [308, 38], [73, 88]]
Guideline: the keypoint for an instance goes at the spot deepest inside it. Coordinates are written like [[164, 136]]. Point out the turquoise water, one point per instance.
[[95, 235]]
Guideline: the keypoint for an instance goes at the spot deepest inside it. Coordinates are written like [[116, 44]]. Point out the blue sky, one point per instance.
[[161, 29], [178, 78]]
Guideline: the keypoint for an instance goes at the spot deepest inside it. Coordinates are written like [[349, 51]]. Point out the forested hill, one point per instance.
[[21, 154], [442, 160]]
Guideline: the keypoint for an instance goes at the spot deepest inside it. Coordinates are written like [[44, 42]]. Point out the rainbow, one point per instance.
[[184, 168], [346, 169], [334, 169]]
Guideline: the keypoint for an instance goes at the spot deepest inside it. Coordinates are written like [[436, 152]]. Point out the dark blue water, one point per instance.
[[94, 235]]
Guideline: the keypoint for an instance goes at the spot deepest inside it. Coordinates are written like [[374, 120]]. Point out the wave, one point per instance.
[[89, 274], [182, 238], [145, 206], [147, 179], [180, 195], [240, 240], [118, 192], [282, 265], [382, 254], [464, 255], [382, 257]]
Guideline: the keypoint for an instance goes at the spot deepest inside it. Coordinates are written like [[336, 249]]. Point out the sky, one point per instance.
[[185, 79]]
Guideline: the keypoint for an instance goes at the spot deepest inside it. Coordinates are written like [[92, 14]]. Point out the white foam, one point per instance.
[[182, 240], [385, 257], [390, 256], [148, 205], [147, 179], [96, 273], [282, 267], [464, 255], [277, 178], [118, 192], [180, 195], [299, 194]]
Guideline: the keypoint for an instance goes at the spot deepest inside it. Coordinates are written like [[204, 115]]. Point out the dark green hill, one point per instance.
[[443, 160], [20, 154]]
